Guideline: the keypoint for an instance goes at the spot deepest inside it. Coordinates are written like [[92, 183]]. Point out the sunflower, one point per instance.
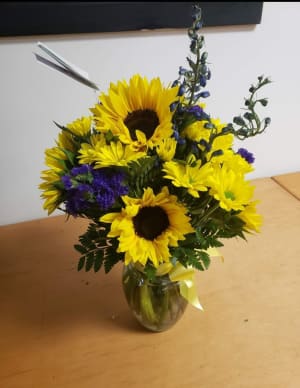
[[138, 112], [230, 189], [148, 226]]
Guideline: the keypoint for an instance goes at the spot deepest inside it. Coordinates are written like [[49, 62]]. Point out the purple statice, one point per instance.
[[248, 156], [85, 187], [108, 186], [81, 170], [78, 199], [66, 180]]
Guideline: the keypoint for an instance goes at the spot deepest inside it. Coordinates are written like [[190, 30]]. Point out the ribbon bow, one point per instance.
[[186, 277]]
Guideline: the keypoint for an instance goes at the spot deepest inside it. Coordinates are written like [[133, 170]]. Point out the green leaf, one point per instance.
[[204, 258], [89, 261], [98, 260], [81, 249], [81, 263], [150, 272], [70, 155]]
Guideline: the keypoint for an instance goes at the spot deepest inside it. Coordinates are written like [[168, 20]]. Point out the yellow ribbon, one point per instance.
[[186, 277]]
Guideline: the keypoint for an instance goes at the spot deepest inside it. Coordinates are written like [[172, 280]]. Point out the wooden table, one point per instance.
[[290, 182], [67, 329]]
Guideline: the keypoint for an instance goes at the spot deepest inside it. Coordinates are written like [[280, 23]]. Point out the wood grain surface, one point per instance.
[[290, 182]]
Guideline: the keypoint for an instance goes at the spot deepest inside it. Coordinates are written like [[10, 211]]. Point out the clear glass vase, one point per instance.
[[156, 304]]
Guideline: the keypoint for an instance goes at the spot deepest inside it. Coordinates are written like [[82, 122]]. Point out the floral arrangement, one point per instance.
[[156, 175]]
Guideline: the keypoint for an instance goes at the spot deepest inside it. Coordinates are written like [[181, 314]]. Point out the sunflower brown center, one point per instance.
[[150, 222], [145, 120]]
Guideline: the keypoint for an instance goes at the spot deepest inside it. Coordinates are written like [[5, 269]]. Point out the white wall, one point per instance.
[[33, 95]]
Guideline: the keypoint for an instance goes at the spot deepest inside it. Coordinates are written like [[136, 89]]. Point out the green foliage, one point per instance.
[[142, 174], [97, 250]]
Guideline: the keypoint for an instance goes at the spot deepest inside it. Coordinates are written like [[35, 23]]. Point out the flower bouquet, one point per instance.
[[160, 181]]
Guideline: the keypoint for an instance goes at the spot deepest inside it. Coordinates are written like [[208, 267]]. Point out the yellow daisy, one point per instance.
[[81, 126], [197, 131], [166, 149], [252, 219], [106, 155], [230, 189], [148, 226], [236, 163], [50, 193], [194, 178], [137, 112], [52, 158], [65, 140], [222, 142]]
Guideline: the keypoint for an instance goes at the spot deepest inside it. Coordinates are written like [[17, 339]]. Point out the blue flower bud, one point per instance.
[[180, 109], [208, 126], [196, 110], [267, 121], [217, 153], [181, 90], [248, 116], [202, 81], [182, 70], [181, 141], [176, 134], [204, 94], [264, 102], [204, 144], [238, 120], [193, 46], [198, 25], [173, 106], [204, 57]]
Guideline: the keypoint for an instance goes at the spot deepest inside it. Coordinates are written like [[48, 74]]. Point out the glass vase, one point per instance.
[[156, 304]]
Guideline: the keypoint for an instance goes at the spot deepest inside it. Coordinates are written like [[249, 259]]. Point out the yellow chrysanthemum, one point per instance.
[[50, 193], [106, 155], [138, 112], [236, 163], [81, 126], [197, 130], [52, 157], [252, 219], [148, 226], [223, 143], [230, 189], [66, 141], [194, 178], [166, 149]]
